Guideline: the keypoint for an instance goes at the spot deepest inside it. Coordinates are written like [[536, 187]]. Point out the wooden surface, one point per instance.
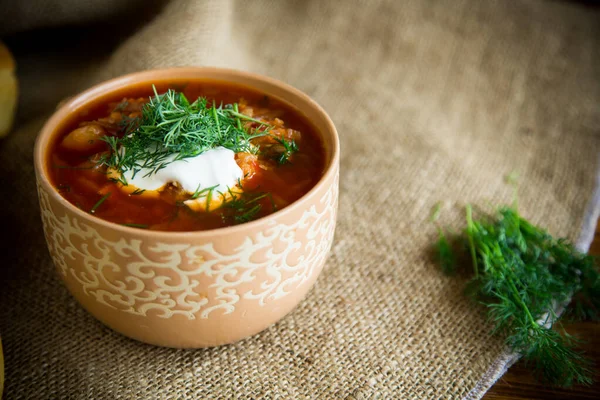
[[518, 382]]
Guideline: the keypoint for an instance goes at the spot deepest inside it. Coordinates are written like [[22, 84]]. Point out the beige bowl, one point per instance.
[[192, 289]]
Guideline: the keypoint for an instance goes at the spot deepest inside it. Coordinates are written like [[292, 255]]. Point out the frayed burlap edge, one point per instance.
[[509, 358]]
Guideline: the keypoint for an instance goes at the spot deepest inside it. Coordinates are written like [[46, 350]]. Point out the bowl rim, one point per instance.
[[105, 87]]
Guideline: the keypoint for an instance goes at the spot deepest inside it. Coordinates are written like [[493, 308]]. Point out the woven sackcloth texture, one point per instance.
[[433, 100]]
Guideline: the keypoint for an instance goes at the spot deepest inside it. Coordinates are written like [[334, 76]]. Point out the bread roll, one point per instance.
[[8, 90]]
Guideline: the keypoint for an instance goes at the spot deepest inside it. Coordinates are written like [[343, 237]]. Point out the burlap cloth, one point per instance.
[[434, 101]]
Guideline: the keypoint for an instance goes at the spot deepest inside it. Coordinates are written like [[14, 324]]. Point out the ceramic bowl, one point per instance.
[[191, 289]]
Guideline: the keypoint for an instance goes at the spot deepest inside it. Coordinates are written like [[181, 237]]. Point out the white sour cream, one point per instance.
[[216, 167]]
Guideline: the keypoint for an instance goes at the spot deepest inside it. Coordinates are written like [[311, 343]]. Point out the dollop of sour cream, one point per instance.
[[215, 167]]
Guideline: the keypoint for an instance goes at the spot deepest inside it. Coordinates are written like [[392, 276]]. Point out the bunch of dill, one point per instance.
[[173, 128], [522, 274]]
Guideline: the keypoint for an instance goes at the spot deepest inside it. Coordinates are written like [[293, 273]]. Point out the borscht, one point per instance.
[[185, 156]]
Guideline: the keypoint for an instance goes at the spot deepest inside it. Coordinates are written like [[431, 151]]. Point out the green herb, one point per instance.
[[435, 212], [238, 122], [243, 206], [470, 229], [171, 128], [128, 124], [203, 192], [520, 273], [290, 147], [141, 226], [137, 192], [208, 199], [512, 178], [121, 180], [121, 106], [446, 256], [99, 202]]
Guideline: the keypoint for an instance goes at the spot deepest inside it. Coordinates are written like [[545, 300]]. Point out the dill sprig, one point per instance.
[[138, 192], [171, 128], [446, 256], [520, 274], [243, 206], [99, 202], [206, 192], [290, 147]]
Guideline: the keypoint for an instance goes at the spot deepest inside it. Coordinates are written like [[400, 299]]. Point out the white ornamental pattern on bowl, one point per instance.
[[68, 239]]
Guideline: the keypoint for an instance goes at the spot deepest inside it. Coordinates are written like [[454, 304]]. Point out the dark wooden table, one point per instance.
[[518, 382]]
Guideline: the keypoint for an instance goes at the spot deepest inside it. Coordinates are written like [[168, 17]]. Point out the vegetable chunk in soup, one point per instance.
[[185, 156]]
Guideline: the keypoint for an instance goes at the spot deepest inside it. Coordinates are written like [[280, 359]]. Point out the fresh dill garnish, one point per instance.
[[272, 201], [128, 124], [203, 192], [171, 128], [138, 191], [99, 202], [521, 273], [445, 254], [121, 106], [435, 212], [242, 206], [141, 226], [122, 181], [512, 178], [290, 147], [236, 109], [470, 229], [208, 199]]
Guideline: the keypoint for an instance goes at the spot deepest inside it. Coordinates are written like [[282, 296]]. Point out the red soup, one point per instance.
[[185, 156]]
